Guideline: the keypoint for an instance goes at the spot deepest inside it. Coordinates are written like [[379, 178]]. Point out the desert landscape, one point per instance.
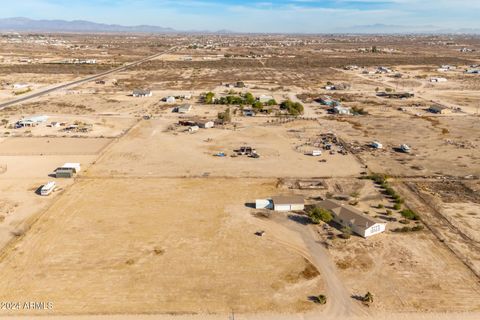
[[181, 138]]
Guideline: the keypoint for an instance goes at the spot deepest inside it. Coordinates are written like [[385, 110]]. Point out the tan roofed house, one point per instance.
[[353, 218]]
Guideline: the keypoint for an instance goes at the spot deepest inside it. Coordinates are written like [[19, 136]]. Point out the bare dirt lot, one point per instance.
[[159, 154], [200, 256]]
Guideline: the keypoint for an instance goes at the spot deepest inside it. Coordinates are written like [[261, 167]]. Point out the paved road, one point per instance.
[[77, 82]]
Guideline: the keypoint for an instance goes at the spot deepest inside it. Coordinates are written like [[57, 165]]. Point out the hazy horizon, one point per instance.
[[285, 16]]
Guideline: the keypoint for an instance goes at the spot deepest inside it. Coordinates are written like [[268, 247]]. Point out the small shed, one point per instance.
[[205, 124], [263, 204], [341, 110], [184, 108], [170, 99], [439, 110]]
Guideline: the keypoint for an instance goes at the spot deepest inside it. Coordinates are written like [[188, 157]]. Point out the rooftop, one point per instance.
[[348, 213]]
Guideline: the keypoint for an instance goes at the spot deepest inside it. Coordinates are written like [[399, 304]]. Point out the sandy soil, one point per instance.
[[155, 152], [127, 245]]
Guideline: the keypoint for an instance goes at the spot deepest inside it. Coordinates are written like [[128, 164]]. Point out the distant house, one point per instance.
[[353, 218], [185, 108], [473, 71], [341, 110], [73, 166], [18, 86], [205, 124], [30, 122], [288, 203], [439, 110], [438, 80], [264, 98], [170, 99], [376, 145], [141, 93], [328, 101]]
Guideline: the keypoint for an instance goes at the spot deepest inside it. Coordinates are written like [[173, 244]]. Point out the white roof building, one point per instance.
[[264, 98], [341, 110], [72, 165]]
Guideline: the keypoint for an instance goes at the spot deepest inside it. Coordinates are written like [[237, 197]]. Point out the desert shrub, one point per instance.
[[320, 299], [397, 206], [410, 214], [418, 227]]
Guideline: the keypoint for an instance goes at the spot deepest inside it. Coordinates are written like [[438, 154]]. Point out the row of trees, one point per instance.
[[246, 99]]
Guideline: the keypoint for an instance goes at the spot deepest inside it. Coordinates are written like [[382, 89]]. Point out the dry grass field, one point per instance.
[[115, 246]]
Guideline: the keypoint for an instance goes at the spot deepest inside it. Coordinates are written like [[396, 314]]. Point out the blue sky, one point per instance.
[[309, 16]]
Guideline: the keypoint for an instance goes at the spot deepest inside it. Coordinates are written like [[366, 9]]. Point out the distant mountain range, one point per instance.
[[81, 26], [30, 25]]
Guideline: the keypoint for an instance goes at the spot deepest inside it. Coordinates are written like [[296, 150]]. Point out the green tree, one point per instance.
[[271, 102], [257, 105], [209, 97], [317, 214], [249, 98], [409, 214]]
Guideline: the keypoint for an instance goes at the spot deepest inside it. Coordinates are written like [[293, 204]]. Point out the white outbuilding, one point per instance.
[[288, 203], [75, 167], [48, 188]]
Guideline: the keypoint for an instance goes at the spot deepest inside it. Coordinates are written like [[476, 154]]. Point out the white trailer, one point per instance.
[[48, 188]]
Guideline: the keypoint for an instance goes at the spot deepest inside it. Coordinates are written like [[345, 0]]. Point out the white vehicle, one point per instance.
[[316, 153], [405, 148], [376, 145], [48, 188]]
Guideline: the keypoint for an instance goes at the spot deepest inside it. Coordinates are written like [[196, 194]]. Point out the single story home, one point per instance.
[[74, 166], [139, 93], [185, 108], [288, 203], [264, 98], [353, 218], [64, 173], [439, 110], [205, 124], [328, 101], [169, 99], [341, 110], [438, 80], [30, 122]]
